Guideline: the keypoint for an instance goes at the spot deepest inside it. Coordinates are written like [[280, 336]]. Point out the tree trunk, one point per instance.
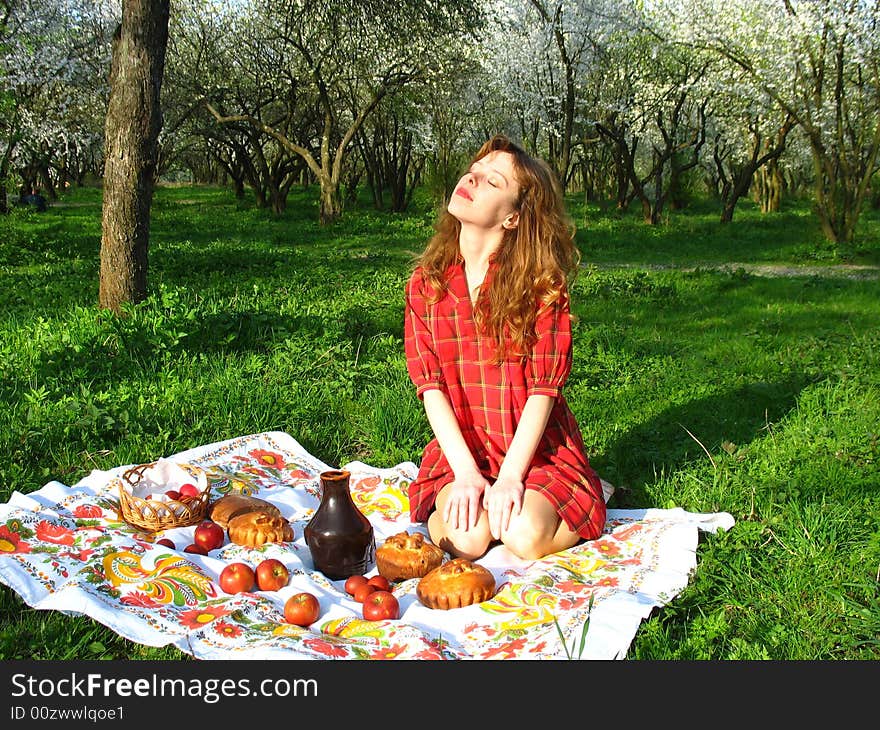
[[4, 173], [238, 186], [768, 191], [731, 193], [278, 200], [134, 119], [678, 196], [4, 176], [621, 182], [331, 205]]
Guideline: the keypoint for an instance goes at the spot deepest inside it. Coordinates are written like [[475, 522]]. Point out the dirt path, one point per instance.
[[835, 271]]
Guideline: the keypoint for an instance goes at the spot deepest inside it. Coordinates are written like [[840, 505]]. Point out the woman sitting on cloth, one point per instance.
[[488, 347]]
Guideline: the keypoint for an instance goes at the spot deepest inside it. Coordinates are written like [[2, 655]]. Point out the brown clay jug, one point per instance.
[[339, 536]]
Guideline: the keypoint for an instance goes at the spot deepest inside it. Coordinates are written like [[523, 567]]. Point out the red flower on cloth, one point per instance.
[[227, 629], [567, 604], [472, 627], [199, 617], [56, 534], [430, 653], [269, 458], [607, 582], [82, 555], [510, 649], [574, 586], [391, 652], [369, 483], [142, 600], [88, 511], [627, 532], [10, 542], [326, 648], [299, 474], [607, 548]]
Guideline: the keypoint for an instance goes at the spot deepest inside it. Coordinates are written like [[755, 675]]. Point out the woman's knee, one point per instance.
[[532, 531], [470, 544], [528, 540]]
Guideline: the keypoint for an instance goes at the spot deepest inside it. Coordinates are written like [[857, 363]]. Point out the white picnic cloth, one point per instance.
[[65, 548]]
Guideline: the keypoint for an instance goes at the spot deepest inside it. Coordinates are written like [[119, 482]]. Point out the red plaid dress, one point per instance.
[[444, 351]]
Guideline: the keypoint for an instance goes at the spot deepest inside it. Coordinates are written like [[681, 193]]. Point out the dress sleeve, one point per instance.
[[422, 362], [550, 362]]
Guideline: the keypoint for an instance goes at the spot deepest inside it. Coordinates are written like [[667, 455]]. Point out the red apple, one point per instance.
[[209, 535], [302, 609], [272, 575], [172, 494], [381, 606], [237, 578], [381, 582], [166, 542], [353, 582], [197, 549], [362, 591], [189, 490]]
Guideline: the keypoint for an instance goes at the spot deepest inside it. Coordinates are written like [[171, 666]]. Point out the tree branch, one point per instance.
[[271, 131]]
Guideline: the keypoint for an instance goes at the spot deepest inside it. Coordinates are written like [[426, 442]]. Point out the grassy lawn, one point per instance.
[[695, 384]]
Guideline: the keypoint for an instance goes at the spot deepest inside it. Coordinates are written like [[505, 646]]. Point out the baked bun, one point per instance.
[[457, 583], [403, 556], [253, 529], [224, 509]]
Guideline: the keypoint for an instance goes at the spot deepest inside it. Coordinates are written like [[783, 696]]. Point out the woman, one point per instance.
[[488, 347]]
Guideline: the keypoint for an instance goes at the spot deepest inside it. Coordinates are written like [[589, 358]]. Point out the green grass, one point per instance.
[[695, 384]]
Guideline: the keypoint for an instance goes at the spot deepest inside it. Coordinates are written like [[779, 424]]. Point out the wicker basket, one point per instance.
[[153, 515]]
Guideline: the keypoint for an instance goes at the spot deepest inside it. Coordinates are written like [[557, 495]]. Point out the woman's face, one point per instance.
[[486, 196]]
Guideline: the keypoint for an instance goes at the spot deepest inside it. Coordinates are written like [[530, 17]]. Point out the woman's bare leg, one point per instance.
[[538, 530], [470, 544]]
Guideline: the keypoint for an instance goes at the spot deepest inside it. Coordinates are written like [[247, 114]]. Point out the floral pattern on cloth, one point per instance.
[[66, 548]]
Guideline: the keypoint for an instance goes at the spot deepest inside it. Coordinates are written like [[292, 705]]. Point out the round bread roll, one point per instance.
[[455, 584], [224, 509], [253, 529], [404, 556]]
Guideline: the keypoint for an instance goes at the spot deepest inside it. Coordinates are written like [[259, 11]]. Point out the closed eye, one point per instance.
[[493, 181]]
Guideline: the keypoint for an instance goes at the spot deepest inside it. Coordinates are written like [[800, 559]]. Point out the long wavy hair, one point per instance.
[[535, 263]]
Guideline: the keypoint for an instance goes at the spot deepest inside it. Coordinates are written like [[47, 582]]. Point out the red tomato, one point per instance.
[[189, 490], [272, 575], [209, 535], [166, 542], [362, 591], [381, 582], [354, 582], [381, 606], [197, 549], [237, 578], [302, 609]]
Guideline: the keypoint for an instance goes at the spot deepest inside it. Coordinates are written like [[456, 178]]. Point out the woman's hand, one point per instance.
[[462, 508], [503, 499]]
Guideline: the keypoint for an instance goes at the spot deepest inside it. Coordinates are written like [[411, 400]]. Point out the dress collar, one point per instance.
[[456, 279]]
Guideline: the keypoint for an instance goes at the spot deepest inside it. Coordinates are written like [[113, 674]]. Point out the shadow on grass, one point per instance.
[[132, 346], [678, 435]]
